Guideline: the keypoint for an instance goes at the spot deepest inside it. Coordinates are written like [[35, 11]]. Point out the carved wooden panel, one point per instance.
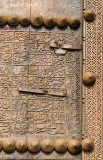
[[65, 109], [26, 60]]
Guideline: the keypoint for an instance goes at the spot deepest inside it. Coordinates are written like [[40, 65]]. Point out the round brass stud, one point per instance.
[[62, 22], [49, 21], [34, 146], [25, 21], [13, 20], [74, 146], [89, 15], [37, 20], [21, 146], [89, 78], [47, 145], [87, 145], [61, 145], [3, 20], [74, 23], [9, 145]]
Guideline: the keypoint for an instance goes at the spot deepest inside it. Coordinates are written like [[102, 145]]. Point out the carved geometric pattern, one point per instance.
[[26, 59], [93, 95]]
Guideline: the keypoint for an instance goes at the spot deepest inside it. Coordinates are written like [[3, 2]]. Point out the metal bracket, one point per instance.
[[61, 49]]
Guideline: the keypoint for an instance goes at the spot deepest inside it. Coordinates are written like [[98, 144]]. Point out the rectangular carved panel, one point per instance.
[[27, 60]]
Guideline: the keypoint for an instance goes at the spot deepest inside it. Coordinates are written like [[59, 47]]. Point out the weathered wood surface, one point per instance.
[[27, 60]]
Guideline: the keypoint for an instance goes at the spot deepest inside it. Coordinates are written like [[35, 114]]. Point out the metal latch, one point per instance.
[[61, 49]]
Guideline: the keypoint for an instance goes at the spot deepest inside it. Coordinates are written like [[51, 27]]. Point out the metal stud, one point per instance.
[[62, 22], [25, 21], [89, 78], [49, 21], [3, 20], [61, 146], [37, 20], [21, 146], [89, 15], [74, 146], [9, 145], [74, 23], [47, 145], [34, 146], [87, 145], [13, 20]]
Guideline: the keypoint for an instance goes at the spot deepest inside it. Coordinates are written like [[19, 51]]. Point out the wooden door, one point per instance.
[[41, 91]]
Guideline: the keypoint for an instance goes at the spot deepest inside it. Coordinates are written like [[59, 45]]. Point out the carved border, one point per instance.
[[93, 95]]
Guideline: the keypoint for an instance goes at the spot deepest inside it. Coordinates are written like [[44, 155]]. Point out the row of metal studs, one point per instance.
[[46, 145], [48, 21], [38, 20]]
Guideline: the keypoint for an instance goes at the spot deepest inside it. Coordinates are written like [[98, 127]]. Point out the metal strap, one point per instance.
[[70, 47]]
